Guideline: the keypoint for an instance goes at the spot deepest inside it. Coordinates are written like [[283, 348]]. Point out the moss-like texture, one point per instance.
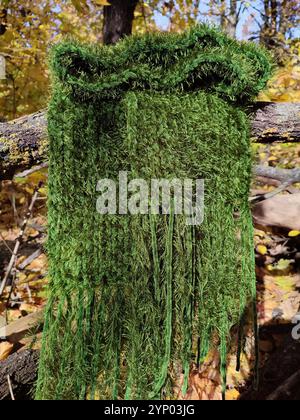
[[131, 295], [23, 143]]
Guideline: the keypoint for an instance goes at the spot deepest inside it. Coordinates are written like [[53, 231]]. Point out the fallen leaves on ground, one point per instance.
[[28, 294], [5, 350]]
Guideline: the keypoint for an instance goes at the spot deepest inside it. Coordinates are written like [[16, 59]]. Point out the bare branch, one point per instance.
[[10, 388], [258, 198], [291, 176], [18, 241]]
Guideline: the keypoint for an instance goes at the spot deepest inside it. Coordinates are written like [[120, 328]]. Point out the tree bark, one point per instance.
[[276, 122], [21, 368], [118, 20], [232, 19], [3, 21], [23, 142], [229, 19], [283, 23], [274, 16]]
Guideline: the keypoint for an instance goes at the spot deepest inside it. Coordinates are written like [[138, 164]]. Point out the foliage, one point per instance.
[[279, 21], [29, 28], [285, 85]]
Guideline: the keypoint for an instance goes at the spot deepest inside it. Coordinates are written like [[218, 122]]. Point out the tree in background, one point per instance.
[[280, 18], [118, 20], [28, 27]]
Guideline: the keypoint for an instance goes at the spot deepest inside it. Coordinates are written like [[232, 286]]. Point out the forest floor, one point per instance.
[[278, 286]]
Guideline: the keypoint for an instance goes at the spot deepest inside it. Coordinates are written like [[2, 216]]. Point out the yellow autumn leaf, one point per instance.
[[43, 191], [262, 249], [260, 233], [102, 2], [5, 350], [286, 284], [294, 233], [232, 395], [282, 265], [78, 5], [272, 158]]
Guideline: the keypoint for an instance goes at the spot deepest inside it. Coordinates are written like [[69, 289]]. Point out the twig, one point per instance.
[[29, 260], [29, 293], [14, 271], [283, 175], [35, 226], [13, 203], [19, 239], [6, 244], [32, 171], [263, 197], [10, 388]]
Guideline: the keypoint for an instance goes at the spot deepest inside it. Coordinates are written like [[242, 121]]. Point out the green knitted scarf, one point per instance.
[[135, 300]]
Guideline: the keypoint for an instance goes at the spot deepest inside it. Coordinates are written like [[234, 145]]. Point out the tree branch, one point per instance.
[[23, 142], [291, 176]]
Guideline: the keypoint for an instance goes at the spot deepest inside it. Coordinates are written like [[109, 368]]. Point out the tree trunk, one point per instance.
[[118, 20], [232, 19], [229, 21], [223, 15], [274, 16], [3, 22], [266, 29], [283, 23], [276, 122], [270, 28]]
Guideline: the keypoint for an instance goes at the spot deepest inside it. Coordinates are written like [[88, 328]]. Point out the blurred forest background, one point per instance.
[[27, 30], [29, 27]]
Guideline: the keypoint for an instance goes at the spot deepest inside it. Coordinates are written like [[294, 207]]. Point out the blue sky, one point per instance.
[[163, 21]]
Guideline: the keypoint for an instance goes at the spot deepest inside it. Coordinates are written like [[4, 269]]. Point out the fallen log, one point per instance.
[[16, 330], [20, 370], [23, 142], [276, 122]]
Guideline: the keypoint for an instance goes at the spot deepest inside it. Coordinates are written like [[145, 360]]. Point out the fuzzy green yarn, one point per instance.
[[131, 296]]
